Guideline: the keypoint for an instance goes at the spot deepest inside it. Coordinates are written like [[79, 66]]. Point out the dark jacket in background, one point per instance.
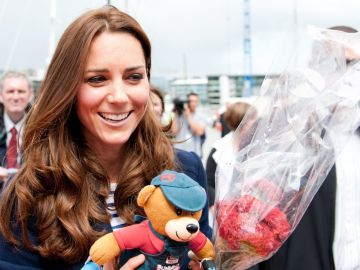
[[211, 166], [2, 147]]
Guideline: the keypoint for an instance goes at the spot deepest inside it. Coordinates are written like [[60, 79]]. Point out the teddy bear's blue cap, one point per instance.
[[181, 190]]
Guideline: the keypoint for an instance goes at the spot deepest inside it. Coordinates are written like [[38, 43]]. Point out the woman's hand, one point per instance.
[[194, 265], [133, 263]]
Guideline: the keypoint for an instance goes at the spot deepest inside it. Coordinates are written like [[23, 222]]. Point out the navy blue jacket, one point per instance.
[[22, 259]]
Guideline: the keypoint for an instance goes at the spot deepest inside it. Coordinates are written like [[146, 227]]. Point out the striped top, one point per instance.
[[116, 221]]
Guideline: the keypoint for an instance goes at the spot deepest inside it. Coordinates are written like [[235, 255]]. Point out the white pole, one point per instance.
[[247, 54], [52, 31], [185, 66]]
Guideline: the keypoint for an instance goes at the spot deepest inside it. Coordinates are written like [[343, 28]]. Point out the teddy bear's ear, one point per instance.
[[145, 194]]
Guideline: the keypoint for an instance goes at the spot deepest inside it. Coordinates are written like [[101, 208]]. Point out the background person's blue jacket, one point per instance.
[[21, 259]]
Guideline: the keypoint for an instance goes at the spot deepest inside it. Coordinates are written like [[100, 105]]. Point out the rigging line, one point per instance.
[[17, 35], [2, 9]]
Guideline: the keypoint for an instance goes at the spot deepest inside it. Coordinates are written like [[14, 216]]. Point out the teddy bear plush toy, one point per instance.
[[173, 203]]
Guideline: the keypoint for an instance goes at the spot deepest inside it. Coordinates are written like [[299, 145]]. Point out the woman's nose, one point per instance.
[[117, 93]]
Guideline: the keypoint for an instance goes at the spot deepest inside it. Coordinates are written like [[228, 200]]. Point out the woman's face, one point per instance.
[[113, 95], [156, 105]]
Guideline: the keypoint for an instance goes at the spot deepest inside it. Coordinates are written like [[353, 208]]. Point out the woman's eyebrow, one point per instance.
[[134, 68], [96, 70], [107, 70]]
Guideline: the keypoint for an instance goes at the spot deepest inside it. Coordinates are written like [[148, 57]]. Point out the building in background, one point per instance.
[[179, 88], [213, 90]]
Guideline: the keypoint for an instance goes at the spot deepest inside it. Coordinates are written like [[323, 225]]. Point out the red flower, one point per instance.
[[249, 222]]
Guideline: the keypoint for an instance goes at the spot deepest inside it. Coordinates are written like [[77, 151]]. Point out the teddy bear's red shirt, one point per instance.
[[140, 236]]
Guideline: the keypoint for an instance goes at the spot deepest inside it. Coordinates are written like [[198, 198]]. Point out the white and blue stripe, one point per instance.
[[115, 221]]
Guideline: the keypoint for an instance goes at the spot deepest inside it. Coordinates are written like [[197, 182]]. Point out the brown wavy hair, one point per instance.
[[61, 187]]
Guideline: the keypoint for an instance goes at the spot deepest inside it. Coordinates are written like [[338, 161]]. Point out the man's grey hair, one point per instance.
[[14, 74]]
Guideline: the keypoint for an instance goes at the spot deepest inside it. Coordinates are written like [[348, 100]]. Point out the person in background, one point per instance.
[[189, 126], [15, 97], [328, 235], [91, 142], [220, 123], [157, 101], [232, 116]]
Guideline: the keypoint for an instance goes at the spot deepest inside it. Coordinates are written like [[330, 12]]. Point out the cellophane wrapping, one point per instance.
[[285, 147]]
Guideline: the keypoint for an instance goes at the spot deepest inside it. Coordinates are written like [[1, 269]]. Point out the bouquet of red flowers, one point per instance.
[[250, 226], [284, 148], [239, 228]]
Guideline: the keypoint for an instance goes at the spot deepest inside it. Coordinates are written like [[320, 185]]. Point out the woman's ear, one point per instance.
[[145, 194]]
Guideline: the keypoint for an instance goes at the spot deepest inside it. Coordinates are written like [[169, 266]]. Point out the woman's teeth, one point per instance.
[[114, 117]]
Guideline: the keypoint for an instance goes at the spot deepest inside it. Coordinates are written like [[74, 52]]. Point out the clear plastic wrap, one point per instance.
[[285, 147]]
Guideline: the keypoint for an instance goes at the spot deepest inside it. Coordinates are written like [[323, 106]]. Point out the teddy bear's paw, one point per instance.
[[104, 249]]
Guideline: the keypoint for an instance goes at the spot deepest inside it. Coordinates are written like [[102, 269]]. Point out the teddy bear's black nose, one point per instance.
[[192, 228]]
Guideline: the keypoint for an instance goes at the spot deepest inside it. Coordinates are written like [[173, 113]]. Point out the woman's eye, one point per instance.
[[96, 79], [136, 77]]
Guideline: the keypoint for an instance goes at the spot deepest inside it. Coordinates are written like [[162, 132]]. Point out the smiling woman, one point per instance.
[[91, 142], [113, 97]]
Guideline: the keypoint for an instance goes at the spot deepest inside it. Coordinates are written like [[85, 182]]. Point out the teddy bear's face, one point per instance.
[[166, 219], [182, 229]]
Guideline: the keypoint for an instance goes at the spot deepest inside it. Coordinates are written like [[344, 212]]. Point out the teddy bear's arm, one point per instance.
[[202, 247], [207, 251], [104, 249]]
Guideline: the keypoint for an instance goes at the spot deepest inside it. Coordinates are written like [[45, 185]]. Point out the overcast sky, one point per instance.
[[189, 37]]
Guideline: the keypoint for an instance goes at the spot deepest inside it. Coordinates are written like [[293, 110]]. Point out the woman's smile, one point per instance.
[[115, 117]]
